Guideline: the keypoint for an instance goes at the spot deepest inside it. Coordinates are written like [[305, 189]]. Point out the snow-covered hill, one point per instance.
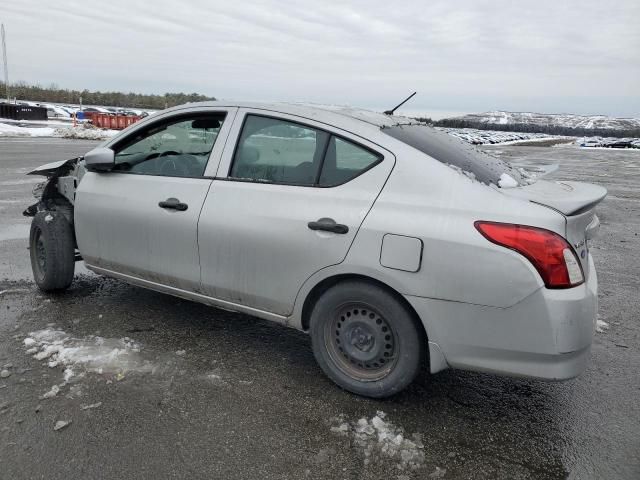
[[550, 119]]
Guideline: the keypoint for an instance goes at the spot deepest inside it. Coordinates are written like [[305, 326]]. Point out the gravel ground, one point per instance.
[[204, 393]]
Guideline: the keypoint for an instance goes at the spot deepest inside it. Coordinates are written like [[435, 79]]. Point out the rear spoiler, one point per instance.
[[569, 198]]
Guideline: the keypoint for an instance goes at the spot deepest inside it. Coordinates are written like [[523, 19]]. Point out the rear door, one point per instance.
[[289, 198], [140, 219]]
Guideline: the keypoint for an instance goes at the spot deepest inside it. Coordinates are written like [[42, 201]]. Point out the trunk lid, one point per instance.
[[576, 201]]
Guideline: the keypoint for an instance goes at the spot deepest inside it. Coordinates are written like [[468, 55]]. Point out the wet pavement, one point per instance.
[[196, 392]]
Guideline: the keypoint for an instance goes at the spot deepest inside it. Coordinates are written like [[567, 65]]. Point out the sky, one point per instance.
[[560, 56]]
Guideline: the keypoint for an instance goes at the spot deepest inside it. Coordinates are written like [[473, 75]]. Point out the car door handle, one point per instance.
[[173, 204], [328, 225]]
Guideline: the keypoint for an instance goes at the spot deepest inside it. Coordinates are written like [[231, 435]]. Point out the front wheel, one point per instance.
[[366, 340], [52, 251]]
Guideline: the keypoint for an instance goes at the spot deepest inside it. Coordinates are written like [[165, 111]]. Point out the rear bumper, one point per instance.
[[547, 335]]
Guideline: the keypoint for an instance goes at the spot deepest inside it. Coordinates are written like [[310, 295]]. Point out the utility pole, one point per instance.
[[4, 58]]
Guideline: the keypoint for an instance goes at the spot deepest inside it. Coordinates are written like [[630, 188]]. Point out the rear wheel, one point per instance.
[[52, 251], [365, 340]]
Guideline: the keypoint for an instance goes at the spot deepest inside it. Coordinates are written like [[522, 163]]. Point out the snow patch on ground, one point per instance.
[[89, 354], [379, 438], [601, 326]]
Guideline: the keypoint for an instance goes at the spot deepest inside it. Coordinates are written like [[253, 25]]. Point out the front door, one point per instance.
[[140, 219], [289, 200]]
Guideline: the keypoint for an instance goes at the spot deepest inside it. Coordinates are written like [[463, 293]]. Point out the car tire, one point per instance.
[[52, 251], [366, 340]]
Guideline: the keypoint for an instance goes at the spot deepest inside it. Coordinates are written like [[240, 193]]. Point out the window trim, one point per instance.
[[316, 184], [168, 121]]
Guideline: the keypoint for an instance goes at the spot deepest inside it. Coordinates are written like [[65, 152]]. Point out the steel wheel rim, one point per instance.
[[40, 252], [361, 342]]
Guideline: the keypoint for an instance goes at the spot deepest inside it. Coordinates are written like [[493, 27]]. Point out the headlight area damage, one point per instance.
[[56, 199], [57, 192]]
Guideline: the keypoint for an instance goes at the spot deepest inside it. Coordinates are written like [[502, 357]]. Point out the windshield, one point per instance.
[[457, 154]]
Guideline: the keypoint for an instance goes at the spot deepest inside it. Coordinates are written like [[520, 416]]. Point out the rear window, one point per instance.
[[456, 153]]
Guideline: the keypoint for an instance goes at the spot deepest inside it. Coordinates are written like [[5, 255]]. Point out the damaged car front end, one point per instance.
[[52, 237]]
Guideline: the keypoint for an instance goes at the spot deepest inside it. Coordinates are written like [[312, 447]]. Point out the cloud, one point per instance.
[[472, 54]]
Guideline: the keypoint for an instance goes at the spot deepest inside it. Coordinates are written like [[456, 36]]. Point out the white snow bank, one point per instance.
[[378, 437], [84, 133], [7, 130], [89, 354], [68, 131]]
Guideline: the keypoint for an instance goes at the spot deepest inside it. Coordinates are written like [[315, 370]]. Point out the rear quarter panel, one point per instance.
[[428, 200]]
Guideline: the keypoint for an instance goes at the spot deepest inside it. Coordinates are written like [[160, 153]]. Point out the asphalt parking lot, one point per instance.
[[207, 393]]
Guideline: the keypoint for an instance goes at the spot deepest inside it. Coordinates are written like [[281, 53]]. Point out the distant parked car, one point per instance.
[[96, 109], [391, 243], [53, 111]]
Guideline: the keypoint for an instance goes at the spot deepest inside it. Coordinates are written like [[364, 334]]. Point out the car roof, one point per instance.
[[337, 115]]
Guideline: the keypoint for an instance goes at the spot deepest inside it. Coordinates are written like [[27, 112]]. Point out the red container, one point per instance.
[[113, 122]]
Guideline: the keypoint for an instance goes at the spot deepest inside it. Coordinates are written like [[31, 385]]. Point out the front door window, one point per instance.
[[176, 148]]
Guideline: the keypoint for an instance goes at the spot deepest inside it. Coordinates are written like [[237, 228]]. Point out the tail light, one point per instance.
[[550, 254]]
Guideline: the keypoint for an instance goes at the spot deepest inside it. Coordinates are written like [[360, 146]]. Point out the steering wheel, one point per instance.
[[170, 167]]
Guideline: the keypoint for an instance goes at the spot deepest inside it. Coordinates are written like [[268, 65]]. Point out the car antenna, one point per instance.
[[390, 112]]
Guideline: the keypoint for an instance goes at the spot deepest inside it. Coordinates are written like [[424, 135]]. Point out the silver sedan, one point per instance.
[[393, 244]]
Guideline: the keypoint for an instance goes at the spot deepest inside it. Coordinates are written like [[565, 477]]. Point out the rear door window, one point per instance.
[[344, 161], [278, 151], [273, 150]]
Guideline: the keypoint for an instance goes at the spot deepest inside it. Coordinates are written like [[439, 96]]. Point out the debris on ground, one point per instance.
[[51, 393], [438, 473], [181, 353], [5, 373], [93, 405], [60, 424]]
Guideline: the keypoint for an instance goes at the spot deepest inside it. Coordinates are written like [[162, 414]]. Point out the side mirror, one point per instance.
[[100, 160]]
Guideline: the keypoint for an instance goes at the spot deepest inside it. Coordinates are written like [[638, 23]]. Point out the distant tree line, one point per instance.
[[533, 128], [55, 94]]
